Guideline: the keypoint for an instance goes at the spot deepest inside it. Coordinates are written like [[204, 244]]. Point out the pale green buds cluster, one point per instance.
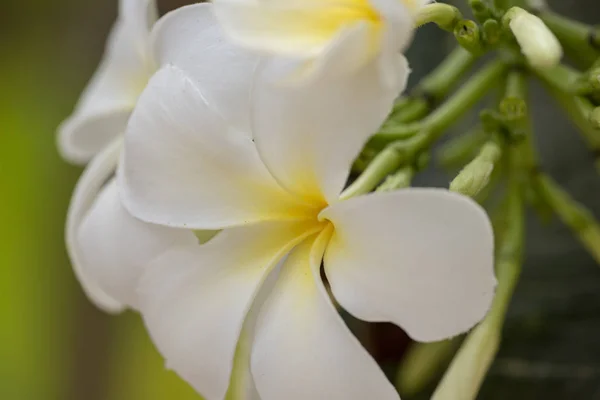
[[475, 176], [539, 45]]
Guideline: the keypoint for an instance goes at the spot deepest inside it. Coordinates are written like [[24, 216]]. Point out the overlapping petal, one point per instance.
[[194, 299], [302, 349], [291, 27], [309, 136], [184, 166], [115, 247], [103, 109], [191, 39], [89, 185], [420, 258]]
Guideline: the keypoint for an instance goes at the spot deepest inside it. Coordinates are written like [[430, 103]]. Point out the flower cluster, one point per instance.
[[219, 140]]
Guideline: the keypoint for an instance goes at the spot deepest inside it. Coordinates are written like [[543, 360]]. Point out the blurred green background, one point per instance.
[[54, 345]]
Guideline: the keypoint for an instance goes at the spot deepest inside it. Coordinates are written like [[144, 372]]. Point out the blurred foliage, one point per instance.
[[54, 345]]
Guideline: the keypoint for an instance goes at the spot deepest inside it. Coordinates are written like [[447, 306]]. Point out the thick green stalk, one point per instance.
[[579, 111], [438, 84], [561, 77], [573, 214], [460, 150], [581, 42], [387, 161], [449, 112], [467, 371], [501, 5], [433, 88], [422, 364]]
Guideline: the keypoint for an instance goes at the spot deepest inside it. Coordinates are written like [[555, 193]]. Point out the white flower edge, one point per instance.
[[105, 105]]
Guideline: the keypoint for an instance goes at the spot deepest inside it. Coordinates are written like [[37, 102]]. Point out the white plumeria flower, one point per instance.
[[102, 238], [333, 37], [420, 258]]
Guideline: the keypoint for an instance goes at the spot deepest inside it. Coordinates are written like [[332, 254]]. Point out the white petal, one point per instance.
[[184, 166], [115, 247], [308, 136], [105, 106], [194, 299], [90, 183], [302, 349], [420, 258], [191, 39], [347, 53], [293, 28], [140, 14]]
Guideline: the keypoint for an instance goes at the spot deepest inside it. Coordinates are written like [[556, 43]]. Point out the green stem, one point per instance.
[[422, 363], [433, 88], [460, 150], [501, 5], [579, 111], [438, 84], [399, 180], [450, 111], [415, 109], [580, 40], [560, 77], [387, 161], [384, 163], [467, 371], [577, 217]]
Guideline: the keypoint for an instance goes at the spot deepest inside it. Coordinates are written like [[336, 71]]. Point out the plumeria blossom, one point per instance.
[[420, 258], [102, 238], [332, 37]]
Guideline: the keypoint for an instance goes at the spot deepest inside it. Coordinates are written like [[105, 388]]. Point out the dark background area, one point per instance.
[[54, 345]]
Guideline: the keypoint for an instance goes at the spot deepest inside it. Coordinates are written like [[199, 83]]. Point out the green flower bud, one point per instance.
[[475, 176], [468, 35]]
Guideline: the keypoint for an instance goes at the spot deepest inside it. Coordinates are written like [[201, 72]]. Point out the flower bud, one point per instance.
[[475, 176], [538, 43], [399, 180]]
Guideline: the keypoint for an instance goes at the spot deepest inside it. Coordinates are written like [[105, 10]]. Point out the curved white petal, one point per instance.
[[420, 258], [191, 39], [194, 299], [115, 247], [90, 183], [104, 107], [140, 15], [308, 136], [291, 27], [302, 349], [184, 166]]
